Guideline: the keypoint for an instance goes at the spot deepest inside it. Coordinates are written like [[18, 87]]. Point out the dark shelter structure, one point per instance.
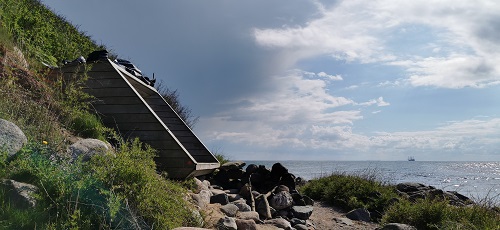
[[136, 109]]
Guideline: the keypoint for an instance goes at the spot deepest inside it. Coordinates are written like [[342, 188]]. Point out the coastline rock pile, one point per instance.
[[414, 191], [255, 195]]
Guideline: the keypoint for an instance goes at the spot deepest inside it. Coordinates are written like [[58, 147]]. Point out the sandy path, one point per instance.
[[326, 217]]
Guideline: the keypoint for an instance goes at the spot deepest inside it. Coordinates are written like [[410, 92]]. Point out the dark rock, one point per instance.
[[245, 191], [277, 171], [251, 168], [232, 165], [281, 188], [233, 197], [12, 138], [20, 195], [295, 221], [281, 200], [308, 200], [359, 214], [230, 210], [219, 199], [246, 224], [410, 187], [302, 212], [227, 223], [397, 226], [288, 180], [243, 207], [279, 222]]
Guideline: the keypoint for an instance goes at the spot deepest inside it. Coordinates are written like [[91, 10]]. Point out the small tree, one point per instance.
[[172, 98]]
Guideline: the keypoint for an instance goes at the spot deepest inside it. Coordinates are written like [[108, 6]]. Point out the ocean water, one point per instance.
[[477, 180]]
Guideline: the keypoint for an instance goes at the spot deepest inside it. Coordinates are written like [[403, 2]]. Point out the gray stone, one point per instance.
[[397, 226], [279, 222], [243, 207], [12, 138], [246, 224], [230, 210], [359, 214], [308, 200], [263, 207], [219, 199], [217, 191], [87, 148], [302, 212], [199, 185], [281, 200], [249, 216], [227, 223], [20, 195]]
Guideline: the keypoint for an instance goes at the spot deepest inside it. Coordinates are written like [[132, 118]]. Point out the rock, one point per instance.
[[410, 187], [302, 212], [217, 191], [281, 188], [20, 195], [202, 199], [220, 199], [233, 197], [245, 190], [277, 171], [232, 165], [279, 222], [359, 214], [87, 148], [251, 168], [397, 226], [295, 221], [288, 180], [200, 185], [308, 200], [243, 207], [227, 223], [12, 138], [249, 216], [281, 200], [246, 224], [301, 227], [230, 210], [262, 207]]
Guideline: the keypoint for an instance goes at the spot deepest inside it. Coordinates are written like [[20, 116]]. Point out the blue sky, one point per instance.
[[305, 79]]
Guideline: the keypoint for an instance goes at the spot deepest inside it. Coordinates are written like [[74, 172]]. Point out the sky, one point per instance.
[[318, 80]]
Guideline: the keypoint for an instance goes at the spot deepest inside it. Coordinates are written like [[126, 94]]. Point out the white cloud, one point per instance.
[[330, 77], [464, 55]]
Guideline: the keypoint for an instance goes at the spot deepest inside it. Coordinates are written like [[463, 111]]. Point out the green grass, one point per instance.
[[352, 192], [364, 191]]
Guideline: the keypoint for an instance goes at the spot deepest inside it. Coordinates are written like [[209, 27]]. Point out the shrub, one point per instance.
[[351, 192], [132, 176], [433, 214]]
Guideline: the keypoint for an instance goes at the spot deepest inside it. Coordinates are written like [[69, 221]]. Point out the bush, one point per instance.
[[432, 214], [352, 192], [132, 176]]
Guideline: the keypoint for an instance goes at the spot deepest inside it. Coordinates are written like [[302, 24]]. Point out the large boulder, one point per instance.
[[12, 138], [246, 224], [227, 223], [20, 195], [230, 210], [279, 222], [302, 212], [359, 214], [281, 200], [85, 149]]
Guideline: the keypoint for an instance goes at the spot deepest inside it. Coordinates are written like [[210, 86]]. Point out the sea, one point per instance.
[[479, 181]]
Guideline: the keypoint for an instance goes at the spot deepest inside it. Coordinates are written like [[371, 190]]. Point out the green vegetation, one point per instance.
[[364, 191], [119, 190]]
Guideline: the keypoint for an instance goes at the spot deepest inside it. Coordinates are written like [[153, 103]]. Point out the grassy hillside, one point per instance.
[[122, 191]]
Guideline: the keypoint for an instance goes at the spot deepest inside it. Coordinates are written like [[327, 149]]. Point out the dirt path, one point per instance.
[[326, 217]]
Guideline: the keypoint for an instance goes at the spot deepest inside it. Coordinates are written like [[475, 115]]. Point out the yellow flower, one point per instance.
[[45, 142]]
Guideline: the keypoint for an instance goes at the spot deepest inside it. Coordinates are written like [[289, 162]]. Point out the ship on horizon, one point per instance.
[[411, 158]]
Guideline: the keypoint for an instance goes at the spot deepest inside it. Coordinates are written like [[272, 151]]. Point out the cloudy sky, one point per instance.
[[306, 79]]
